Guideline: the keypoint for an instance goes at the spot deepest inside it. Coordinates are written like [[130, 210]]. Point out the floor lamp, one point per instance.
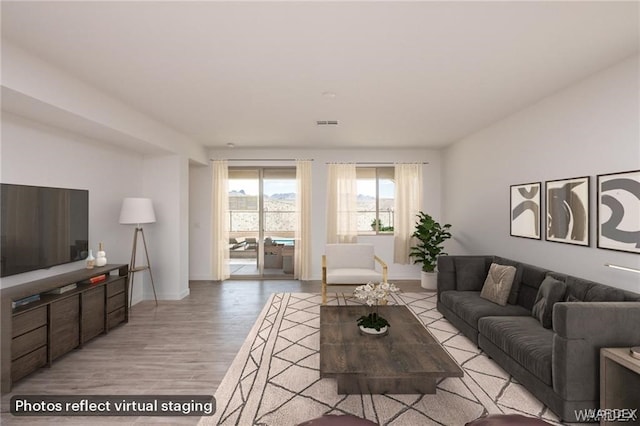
[[138, 211]]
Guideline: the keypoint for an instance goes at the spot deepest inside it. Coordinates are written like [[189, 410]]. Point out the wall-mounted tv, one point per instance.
[[41, 227]]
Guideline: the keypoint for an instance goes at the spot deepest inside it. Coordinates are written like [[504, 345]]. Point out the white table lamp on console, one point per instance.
[[137, 211]]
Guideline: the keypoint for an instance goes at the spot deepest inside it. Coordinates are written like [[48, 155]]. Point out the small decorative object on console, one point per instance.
[[635, 351], [101, 256], [91, 261], [374, 294]]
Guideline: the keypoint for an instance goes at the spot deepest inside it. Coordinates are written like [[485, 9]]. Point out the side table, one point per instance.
[[619, 384]]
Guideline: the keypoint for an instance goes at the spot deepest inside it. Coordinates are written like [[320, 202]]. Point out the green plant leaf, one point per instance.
[[373, 320]]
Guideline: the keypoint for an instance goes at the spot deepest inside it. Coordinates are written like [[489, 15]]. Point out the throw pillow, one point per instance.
[[515, 288], [550, 292], [498, 283]]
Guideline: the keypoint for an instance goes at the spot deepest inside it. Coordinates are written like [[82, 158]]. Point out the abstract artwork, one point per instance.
[[619, 211], [568, 211], [525, 210]]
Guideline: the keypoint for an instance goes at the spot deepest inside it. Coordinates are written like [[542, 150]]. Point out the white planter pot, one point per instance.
[[373, 331], [429, 280]]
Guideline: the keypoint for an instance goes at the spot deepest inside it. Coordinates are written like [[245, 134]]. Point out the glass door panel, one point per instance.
[[244, 223], [279, 221]]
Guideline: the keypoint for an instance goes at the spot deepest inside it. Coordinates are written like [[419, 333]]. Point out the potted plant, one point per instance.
[[376, 224], [430, 235], [374, 295]]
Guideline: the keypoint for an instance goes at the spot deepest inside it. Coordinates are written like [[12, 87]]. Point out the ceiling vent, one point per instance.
[[327, 122]]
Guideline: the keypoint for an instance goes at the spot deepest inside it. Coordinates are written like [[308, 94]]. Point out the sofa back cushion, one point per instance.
[[471, 271], [530, 280], [589, 291]]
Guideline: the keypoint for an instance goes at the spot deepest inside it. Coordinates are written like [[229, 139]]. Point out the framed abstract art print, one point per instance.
[[525, 210], [567, 207], [619, 211]]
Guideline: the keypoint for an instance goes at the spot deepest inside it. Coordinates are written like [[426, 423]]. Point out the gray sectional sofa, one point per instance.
[[559, 365]]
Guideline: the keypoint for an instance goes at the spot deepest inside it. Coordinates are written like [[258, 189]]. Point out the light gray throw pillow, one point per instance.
[[551, 291], [498, 283]]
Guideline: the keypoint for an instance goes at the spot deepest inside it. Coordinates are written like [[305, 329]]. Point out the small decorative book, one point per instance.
[[25, 301], [63, 289], [95, 280]]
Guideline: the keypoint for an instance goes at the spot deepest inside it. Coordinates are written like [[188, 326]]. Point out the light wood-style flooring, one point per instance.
[[177, 348]]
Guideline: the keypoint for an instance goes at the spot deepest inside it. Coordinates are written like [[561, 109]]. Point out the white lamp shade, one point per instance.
[[136, 211]]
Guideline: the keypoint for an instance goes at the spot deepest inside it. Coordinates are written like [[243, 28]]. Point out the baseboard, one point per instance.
[[201, 278]]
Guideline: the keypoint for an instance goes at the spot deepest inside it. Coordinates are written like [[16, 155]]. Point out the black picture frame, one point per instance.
[[618, 211], [525, 208], [567, 211]]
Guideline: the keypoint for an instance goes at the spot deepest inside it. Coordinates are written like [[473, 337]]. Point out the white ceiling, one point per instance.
[[412, 74]]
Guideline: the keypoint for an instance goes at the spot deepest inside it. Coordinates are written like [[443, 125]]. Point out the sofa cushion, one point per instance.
[[353, 276], [470, 273], [589, 291], [469, 306], [497, 285], [551, 291], [524, 340]]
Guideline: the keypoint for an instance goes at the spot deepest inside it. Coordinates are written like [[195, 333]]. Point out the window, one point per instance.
[[376, 188]]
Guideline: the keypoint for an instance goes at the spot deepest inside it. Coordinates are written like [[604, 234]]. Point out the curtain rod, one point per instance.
[[329, 162], [376, 162], [265, 159]]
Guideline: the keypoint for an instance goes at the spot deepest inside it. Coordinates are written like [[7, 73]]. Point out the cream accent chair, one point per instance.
[[350, 264]]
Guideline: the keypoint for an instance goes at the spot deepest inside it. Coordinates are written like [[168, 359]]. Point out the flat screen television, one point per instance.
[[42, 227]]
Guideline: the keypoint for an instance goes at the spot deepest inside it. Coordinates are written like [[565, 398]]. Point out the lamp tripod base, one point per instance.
[[133, 268]]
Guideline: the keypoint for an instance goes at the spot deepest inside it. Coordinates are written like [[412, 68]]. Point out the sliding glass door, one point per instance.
[[262, 222], [244, 222]]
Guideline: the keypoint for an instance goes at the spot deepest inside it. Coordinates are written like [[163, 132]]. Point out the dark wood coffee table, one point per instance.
[[408, 360]]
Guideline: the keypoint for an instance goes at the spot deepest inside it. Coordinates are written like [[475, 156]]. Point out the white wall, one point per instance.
[[34, 154], [587, 129], [200, 198], [200, 222], [27, 75], [37, 153], [166, 182]]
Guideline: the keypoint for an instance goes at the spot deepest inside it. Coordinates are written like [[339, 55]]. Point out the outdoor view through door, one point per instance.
[[262, 203]]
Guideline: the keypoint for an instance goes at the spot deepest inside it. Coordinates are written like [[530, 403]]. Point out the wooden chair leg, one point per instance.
[[324, 293]]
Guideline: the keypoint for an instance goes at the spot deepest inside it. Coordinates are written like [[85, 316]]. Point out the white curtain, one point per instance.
[[303, 238], [220, 220], [342, 225], [408, 203]]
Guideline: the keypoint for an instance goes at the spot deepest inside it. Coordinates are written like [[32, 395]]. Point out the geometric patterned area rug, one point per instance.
[[275, 379]]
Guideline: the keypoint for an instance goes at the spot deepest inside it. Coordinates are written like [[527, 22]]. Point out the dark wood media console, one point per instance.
[[36, 334]]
